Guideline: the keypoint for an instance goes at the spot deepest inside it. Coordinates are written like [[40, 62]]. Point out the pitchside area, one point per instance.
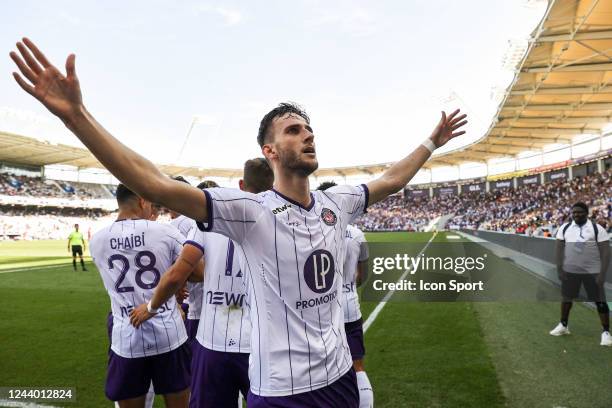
[[451, 354]]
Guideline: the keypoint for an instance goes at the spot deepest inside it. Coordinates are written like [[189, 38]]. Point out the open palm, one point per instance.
[[448, 128], [61, 94]]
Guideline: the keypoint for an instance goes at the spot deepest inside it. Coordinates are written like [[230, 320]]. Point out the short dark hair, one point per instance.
[[281, 110], [582, 205], [326, 184], [124, 194], [207, 184], [258, 175], [181, 179]]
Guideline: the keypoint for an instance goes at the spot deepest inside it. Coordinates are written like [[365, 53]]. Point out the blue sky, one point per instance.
[[372, 75]]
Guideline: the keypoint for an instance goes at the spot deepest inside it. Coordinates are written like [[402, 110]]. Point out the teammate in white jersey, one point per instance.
[[221, 353], [131, 254], [190, 295], [355, 272], [195, 288], [179, 221], [150, 397], [292, 239]]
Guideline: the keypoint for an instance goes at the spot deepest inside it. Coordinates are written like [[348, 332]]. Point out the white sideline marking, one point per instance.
[[15, 404], [453, 237], [383, 302], [32, 268]]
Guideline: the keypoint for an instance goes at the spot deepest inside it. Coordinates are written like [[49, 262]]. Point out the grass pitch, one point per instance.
[[438, 354]]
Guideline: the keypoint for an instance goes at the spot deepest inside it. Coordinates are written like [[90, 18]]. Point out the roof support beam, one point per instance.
[[569, 90], [553, 119], [549, 140], [545, 130], [521, 139], [561, 106], [585, 35], [605, 66]]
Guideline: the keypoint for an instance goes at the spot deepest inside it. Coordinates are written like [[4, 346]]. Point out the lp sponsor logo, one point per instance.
[[319, 271]]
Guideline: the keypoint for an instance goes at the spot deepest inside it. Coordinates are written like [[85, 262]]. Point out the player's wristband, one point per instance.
[[429, 145], [150, 308]]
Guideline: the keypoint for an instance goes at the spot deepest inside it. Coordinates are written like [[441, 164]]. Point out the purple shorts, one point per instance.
[[217, 377], [354, 337], [192, 329], [131, 377], [341, 393]]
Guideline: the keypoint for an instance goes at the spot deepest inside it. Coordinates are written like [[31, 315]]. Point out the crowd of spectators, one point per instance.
[[33, 223], [537, 209], [14, 185]]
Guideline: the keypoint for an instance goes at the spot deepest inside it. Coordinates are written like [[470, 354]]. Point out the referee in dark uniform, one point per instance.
[[583, 255], [76, 244]]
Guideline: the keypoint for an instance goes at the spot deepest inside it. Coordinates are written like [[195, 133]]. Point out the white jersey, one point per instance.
[[194, 300], [224, 322], [293, 258], [131, 256], [183, 224], [356, 251]]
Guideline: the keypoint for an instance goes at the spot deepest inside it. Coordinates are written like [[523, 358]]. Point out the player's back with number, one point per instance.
[[131, 256]]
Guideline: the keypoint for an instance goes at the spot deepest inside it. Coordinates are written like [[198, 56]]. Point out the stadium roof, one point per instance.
[[561, 88]]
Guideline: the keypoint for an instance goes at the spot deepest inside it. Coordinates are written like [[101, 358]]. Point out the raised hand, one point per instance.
[[60, 94], [447, 128]]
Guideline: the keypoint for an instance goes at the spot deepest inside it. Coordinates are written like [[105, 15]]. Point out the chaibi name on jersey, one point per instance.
[[133, 241]]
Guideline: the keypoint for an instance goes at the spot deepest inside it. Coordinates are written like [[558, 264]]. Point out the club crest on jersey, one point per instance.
[[328, 217], [319, 271]]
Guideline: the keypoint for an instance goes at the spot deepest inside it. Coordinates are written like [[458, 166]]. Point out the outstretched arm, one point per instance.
[[61, 94], [398, 175]]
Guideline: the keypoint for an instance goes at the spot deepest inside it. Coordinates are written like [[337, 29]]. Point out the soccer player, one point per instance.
[[76, 244], [355, 272], [292, 239], [222, 346], [195, 290], [583, 256], [179, 221], [131, 255]]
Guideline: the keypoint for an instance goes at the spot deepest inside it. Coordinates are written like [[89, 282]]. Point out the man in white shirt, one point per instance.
[[292, 239], [583, 255]]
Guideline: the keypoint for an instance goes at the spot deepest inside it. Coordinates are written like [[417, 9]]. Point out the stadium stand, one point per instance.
[[536, 209], [19, 185]]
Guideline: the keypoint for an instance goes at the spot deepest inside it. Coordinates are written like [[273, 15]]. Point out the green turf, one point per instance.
[[27, 254], [436, 354]]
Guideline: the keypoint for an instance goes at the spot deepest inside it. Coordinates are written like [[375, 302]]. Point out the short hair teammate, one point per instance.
[[292, 239], [76, 244], [131, 255], [221, 350], [355, 272]]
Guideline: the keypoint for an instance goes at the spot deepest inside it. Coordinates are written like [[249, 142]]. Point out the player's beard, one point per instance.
[[291, 161]]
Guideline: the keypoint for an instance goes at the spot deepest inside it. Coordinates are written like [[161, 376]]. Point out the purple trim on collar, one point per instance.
[[284, 197]]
